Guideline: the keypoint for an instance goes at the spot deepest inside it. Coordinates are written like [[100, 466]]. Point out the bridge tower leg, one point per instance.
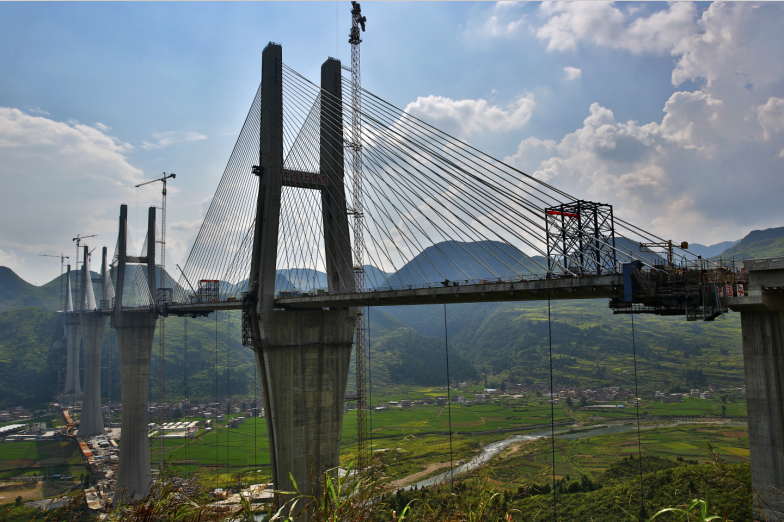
[[135, 332], [303, 356], [93, 324]]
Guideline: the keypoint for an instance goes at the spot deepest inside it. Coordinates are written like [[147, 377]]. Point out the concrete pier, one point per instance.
[[73, 340], [304, 374], [93, 326], [762, 323], [135, 333], [134, 340]]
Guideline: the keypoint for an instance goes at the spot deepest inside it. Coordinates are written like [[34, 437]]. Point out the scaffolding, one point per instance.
[[582, 235]]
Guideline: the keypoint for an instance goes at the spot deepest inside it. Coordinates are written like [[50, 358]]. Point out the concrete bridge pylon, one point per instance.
[[93, 326], [135, 333], [303, 356], [73, 340], [762, 329]]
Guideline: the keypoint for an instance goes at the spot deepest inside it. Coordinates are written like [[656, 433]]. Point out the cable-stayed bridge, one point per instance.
[[316, 217]]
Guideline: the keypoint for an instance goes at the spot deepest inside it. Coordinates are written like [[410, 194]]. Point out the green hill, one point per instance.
[[497, 342], [401, 355], [212, 364], [16, 293], [758, 244], [509, 342], [28, 362]]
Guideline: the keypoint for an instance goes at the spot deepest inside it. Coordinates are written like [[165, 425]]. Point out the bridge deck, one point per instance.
[[587, 287]]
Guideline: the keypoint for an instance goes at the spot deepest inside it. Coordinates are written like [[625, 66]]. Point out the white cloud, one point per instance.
[[680, 176], [465, 117], [37, 110], [164, 139], [10, 259], [100, 126], [501, 21], [59, 179], [676, 178], [733, 45], [573, 73], [771, 116], [605, 24]]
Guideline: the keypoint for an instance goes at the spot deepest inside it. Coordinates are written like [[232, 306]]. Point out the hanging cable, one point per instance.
[[552, 397], [228, 389], [185, 380], [449, 402], [255, 420], [639, 439], [370, 385], [215, 424]]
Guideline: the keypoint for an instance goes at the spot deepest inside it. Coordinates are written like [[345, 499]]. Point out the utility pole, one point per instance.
[[162, 329], [62, 257], [357, 22]]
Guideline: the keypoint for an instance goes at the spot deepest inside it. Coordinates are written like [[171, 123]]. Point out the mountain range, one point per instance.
[[488, 342]]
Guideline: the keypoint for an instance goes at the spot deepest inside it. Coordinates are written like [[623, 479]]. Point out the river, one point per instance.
[[492, 449]]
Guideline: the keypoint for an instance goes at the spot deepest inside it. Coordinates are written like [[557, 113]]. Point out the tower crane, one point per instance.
[[161, 333], [357, 22]]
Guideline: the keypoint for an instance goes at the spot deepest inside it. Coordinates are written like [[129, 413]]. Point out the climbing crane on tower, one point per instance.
[[355, 144]]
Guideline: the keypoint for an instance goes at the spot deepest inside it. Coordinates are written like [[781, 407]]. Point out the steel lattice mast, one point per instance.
[[357, 21]]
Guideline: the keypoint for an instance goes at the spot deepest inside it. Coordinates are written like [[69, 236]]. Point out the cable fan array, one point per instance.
[[436, 210]]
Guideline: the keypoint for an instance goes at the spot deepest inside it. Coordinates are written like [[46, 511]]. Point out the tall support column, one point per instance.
[[303, 356], [763, 359], [93, 324], [304, 372], [762, 327], [73, 339], [265, 239], [337, 236], [268, 209], [135, 333], [134, 340]]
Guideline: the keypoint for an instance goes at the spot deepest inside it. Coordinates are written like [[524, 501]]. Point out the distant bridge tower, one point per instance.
[[303, 356], [73, 339], [93, 326], [135, 332]]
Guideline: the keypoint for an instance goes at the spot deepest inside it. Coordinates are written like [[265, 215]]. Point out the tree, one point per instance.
[[503, 386], [724, 398], [18, 500], [723, 410], [177, 415], [569, 402], [583, 402]]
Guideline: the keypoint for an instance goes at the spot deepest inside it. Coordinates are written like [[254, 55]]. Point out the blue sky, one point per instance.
[[672, 113]]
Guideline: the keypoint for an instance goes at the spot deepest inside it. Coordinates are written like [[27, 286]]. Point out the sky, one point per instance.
[[672, 113]]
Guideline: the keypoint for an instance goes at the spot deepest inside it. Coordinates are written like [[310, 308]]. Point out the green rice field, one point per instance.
[[407, 440], [532, 461], [19, 459]]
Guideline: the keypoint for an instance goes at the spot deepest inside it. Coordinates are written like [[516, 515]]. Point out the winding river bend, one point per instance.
[[492, 449]]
